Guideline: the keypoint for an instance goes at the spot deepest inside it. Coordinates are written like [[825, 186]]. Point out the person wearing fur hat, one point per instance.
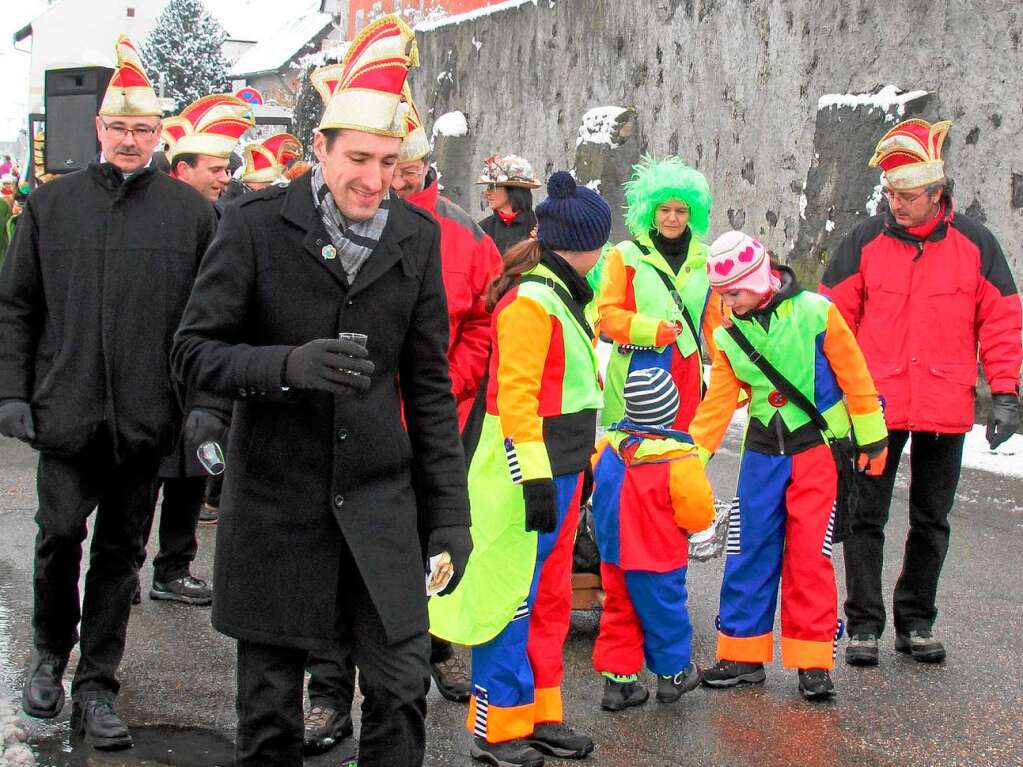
[[927, 291], [525, 483], [508, 183], [808, 388], [655, 303], [649, 492]]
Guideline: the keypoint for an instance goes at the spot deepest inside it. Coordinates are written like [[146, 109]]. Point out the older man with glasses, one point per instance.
[[923, 289], [92, 289]]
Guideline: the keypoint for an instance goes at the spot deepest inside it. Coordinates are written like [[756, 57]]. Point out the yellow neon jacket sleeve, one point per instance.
[[627, 326], [523, 337], [854, 379]]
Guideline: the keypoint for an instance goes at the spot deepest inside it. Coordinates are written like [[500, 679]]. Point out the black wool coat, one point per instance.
[[310, 472], [91, 292], [506, 235]]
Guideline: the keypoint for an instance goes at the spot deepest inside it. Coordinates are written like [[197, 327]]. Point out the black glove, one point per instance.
[[203, 426], [329, 364], [1004, 418], [16, 420], [541, 505], [456, 541]]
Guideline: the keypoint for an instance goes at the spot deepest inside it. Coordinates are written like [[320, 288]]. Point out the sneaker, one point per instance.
[[452, 679], [209, 515], [510, 753], [671, 688], [186, 589], [560, 740], [816, 684], [729, 673], [619, 696], [921, 645], [861, 650], [324, 728], [100, 724]]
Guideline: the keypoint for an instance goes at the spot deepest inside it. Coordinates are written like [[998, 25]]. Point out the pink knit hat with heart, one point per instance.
[[738, 262]]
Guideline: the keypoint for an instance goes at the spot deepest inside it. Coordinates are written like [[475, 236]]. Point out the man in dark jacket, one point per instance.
[[319, 533], [90, 295], [923, 289]]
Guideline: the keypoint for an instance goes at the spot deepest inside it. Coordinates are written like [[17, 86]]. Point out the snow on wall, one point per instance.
[[461, 18], [889, 99], [451, 124], [598, 125]]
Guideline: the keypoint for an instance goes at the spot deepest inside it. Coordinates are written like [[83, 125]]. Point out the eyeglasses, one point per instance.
[[902, 197], [410, 174], [119, 131]]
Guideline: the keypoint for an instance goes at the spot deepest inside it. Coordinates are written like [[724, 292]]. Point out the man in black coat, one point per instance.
[[319, 535], [91, 292]]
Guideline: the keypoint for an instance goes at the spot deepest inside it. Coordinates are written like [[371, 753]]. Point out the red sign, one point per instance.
[[250, 95]]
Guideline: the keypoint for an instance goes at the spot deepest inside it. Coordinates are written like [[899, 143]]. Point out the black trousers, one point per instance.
[[179, 516], [394, 679], [332, 674], [122, 495], [935, 461]]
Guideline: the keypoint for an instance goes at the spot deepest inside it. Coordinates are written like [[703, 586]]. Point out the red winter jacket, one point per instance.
[[469, 260], [920, 310]]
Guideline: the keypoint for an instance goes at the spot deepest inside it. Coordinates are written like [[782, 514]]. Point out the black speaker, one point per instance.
[[72, 98]]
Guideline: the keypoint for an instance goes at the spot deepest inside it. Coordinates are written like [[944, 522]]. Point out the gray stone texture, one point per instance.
[[732, 87]]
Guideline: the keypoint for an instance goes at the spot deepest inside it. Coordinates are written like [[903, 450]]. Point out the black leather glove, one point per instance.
[[1004, 418], [541, 505], [456, 541], [203, 426], [16, 420], [329, 364]]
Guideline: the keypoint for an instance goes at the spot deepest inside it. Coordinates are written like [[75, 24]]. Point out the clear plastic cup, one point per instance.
[[211, 456], [360, 339]]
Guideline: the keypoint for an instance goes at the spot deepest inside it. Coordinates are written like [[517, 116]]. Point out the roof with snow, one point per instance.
[[274, 52]]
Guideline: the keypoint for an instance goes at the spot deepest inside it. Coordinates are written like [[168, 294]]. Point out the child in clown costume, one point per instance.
[[782, 519], [655, 302], [649, 491], [525, 482]]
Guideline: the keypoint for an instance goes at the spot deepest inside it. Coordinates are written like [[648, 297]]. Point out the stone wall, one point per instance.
[[733, 86]]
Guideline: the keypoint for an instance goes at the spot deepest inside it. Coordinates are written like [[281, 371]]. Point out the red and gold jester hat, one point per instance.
[[129, 93], [266, 161], [211, 126], [364, 91], [910, 154], [415, 145]]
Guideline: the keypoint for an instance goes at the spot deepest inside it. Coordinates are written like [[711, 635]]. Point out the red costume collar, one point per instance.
[[508, 218]]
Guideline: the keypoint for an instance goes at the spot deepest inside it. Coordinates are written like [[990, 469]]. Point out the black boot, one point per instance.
[[622, 695], [510, 753], [100, 724], [452, 679], [728, 673], [671, 688], [921, 645], [816, 684], [560, 740], [43, 695], [862, 650]]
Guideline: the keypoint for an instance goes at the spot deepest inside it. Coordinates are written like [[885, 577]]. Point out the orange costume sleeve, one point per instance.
[[714, 414], [711, 321], [523, 338], [692, 498], [847, 361], [619, 319]]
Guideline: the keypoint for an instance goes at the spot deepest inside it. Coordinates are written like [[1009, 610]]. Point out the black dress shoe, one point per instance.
[[100, 724], [43, 695]]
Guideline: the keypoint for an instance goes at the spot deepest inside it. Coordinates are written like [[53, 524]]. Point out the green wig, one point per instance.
[[655, 183]]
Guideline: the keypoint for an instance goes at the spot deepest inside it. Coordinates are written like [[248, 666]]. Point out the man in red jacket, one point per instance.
[[469, 261], [923, 289]]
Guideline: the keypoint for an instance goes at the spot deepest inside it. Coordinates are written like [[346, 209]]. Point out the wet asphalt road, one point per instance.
[[178, 674]]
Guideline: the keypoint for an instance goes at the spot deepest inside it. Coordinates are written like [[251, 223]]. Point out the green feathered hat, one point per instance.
[[654, 183]]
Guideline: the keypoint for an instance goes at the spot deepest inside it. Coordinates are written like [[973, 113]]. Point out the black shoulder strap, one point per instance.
[[566, 298], [780, 382], [673, 292]]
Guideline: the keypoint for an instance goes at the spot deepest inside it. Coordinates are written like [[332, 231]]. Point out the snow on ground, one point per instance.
[[451, 124], [888, 99], [459, 18], [13, 750], [598, 126]]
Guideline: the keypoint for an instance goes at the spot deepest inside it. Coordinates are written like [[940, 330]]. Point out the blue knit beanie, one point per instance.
[[572, 217], [651, 397]]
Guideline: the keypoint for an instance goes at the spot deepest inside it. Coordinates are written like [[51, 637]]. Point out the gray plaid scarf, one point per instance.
[[354, 240]]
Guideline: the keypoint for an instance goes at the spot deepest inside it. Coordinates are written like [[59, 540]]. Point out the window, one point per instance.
[[131, 13]]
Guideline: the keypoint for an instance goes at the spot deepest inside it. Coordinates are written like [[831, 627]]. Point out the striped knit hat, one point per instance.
[[651, 397]]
